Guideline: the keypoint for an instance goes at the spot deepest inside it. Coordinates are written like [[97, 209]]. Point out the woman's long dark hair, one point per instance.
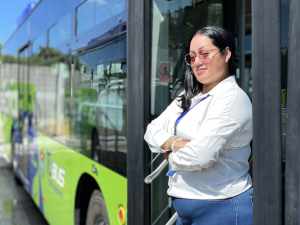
[[221, 39]]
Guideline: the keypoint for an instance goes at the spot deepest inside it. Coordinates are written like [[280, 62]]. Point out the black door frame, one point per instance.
[[138, 95], [267, 170], [292, 169]]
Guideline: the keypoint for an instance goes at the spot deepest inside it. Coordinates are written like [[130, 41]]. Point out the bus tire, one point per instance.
[[96, 213]]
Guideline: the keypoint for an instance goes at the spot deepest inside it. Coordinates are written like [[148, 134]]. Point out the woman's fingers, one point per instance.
[[180, 143]]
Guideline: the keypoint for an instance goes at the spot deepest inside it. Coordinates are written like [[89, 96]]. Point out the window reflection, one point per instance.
[[105, 10], [100, 106], [95, 12], [85, 16], [61, 31], [169, 19], [49, 72]]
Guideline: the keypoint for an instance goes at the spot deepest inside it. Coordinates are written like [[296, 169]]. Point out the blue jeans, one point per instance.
[[233, 211]]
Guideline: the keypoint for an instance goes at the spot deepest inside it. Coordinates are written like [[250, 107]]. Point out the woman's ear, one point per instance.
[[227, 54]]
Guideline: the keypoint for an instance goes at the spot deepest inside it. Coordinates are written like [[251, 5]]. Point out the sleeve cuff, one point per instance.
[[162, 137]]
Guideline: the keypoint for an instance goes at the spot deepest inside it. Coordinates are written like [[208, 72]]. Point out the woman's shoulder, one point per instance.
[[232, 98], [230, 89]]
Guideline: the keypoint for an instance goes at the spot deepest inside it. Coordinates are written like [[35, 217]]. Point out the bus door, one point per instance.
[[24, 124], [170, 18]]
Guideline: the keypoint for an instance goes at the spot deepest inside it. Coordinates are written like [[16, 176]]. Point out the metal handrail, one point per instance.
[[172, 220], [149, 179], [155, 158]]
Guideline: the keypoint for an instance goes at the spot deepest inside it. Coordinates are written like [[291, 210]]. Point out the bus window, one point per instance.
[[92, 13], [100, 99]]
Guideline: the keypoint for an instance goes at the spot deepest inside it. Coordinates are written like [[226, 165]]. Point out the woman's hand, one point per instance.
[[167, 145], [178, 143], [174, 143]]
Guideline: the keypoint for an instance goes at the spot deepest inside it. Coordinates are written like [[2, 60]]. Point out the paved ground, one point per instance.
[[16, 207]]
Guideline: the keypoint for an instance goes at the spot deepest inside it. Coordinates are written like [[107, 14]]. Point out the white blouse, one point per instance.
[[214, 164]]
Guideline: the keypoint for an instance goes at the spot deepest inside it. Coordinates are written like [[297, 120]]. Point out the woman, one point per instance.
[[207, 131]]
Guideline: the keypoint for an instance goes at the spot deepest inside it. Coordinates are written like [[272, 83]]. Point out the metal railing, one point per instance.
[[151, 177]]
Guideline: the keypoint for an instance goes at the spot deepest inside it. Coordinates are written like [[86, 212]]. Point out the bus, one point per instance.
[[80, 80], [67, 127]]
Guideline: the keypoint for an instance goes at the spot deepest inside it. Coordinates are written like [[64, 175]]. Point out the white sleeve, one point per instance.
[[156, 133], [220, 125]]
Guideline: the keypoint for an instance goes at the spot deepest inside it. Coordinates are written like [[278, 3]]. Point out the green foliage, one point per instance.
[[9, 59], [84, 94], [46, 56], [27, 94]]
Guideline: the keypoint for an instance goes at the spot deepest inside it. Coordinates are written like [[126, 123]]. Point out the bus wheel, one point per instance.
[[97, 213]]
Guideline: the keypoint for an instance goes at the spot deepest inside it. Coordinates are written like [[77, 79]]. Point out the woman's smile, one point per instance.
[[200, 70]]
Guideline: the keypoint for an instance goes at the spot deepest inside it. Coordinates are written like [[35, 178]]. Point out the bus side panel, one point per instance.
[[60, 169]]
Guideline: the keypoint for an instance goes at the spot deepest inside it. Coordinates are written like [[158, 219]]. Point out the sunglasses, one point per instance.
[[204, 55]]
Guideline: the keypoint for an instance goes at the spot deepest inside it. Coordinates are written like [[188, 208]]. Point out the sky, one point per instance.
[[10, 11]]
